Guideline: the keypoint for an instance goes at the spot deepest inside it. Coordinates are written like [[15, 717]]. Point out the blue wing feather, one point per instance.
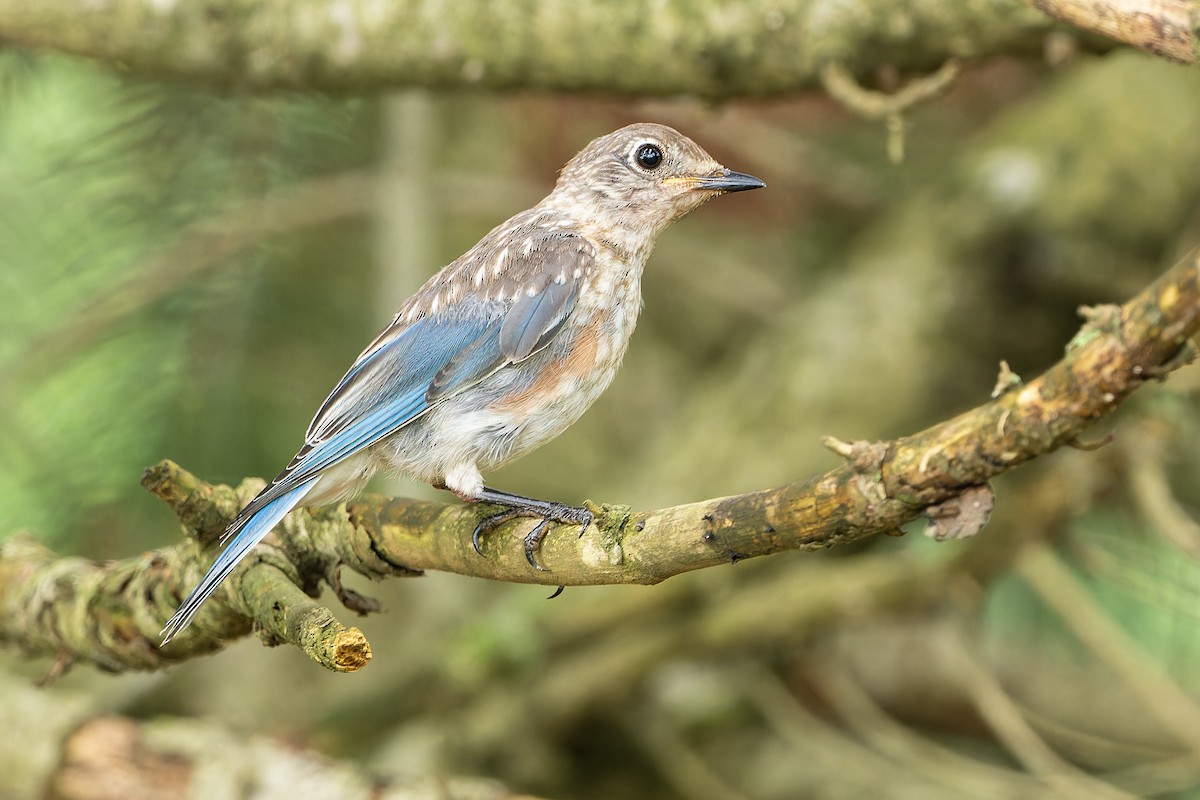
[[386, 389], [391, 385], [252, 532]]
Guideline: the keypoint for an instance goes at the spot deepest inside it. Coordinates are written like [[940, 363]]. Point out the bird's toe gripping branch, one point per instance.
[[518, 506]]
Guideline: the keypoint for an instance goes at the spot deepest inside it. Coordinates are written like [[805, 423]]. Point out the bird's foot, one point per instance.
[[518, 506], [489, 524]]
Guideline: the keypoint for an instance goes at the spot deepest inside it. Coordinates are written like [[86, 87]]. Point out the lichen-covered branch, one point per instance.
[[715, 49], [1166, 28], [110, 614]]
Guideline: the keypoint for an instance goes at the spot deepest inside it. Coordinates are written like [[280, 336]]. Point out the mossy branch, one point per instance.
[[715, 49], [110, 613]]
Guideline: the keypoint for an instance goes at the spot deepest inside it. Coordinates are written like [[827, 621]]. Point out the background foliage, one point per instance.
[[187, 271]]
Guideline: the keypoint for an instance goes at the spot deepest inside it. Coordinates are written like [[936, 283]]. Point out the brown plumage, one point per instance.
[[501, 350]]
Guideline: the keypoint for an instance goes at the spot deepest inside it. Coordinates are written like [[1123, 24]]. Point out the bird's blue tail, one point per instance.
[[252, 531]]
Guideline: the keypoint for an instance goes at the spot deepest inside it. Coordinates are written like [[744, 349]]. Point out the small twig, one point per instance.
[[61, 666], [842, 86], [836, 445], [1006, 380]]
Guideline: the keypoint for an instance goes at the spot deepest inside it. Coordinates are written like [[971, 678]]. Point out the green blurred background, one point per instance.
[[186, 272]]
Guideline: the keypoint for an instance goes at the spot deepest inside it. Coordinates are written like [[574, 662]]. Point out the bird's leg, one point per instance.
[[518, 506]]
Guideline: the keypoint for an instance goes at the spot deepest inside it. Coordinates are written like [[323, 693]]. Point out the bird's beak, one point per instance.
[[723, 180]]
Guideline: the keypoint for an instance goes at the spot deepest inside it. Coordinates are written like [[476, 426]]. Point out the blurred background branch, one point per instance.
[[115, 758], [716, 50]]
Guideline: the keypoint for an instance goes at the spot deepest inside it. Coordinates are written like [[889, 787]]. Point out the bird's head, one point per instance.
[[642, 178]]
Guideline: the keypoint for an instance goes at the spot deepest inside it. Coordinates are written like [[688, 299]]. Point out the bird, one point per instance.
[[500, 351]]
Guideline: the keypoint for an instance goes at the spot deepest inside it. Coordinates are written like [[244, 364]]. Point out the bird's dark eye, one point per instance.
[[648, 156]]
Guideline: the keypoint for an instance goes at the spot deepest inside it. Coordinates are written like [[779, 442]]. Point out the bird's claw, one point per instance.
[[533, 543], [554, 512], [559, 513], [489, 524]]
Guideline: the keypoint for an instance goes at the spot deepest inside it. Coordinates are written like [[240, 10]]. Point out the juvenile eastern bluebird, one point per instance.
[[500, 351]]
